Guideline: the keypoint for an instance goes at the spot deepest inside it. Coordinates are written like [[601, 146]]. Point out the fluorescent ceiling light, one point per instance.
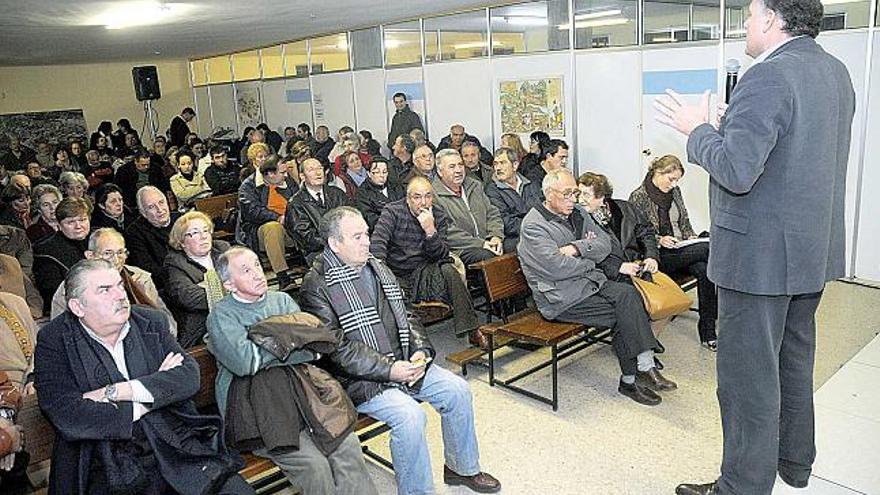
[[595, 23], [122, 15], [480, 44], [594, 15], [838, 2], [525, 20]]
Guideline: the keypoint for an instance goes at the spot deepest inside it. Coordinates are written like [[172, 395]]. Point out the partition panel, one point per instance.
[[459, 93], [369, 98]]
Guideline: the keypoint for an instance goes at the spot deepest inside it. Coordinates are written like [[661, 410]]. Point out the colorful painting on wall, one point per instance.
[[532, 105]]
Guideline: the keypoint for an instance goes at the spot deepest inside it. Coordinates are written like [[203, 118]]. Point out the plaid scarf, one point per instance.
[[350, 302]]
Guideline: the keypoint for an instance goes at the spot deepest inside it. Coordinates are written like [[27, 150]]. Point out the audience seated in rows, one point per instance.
[[46, 198], [109, 245], [401, 161], [263, 200], [147, 236], [564, 252], [307, 206], [117, 388], [19, 270], [352, 173], [423, 164], [457, 137], [222, 176], [554, 156], [473, 166], [56, 254], [512, 194], [251, 378], [17, 155], [193, 287], [324, 144], [34, 172], [476, 232], [133, 176], [377, 191], [188, 184], [339, 147], [98, 172], [383, 359], [111, 210], [16, 205]]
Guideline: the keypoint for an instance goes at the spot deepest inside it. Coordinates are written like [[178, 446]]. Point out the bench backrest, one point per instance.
[[217, 208], [503, 277]]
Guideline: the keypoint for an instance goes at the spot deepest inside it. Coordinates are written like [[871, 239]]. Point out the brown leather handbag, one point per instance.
[[662, 296]]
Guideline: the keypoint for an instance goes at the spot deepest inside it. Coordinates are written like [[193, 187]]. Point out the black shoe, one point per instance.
[[659, 348], [638, 393], [653, 380], [658, 364], [694, 489], [480, 482], [712, 345]]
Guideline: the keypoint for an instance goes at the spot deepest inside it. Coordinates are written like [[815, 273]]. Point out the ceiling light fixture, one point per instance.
[[595, 23], [594, 15], [525, 20], [123, 15]]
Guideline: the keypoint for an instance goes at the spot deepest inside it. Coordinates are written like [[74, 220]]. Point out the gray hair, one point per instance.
[[553, 177], [144, 190], [511, 155], [75, 282], [352, 137], [329, 226], [68, 178], [96, 236], [225, 259], [446, 152], [469, 143], [42, 189]]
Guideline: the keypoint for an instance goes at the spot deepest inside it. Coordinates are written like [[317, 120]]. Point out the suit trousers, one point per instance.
[[766, 352], [617, 305]]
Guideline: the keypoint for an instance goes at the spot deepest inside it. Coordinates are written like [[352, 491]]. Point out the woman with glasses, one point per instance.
[[193, 285], [660, 200]]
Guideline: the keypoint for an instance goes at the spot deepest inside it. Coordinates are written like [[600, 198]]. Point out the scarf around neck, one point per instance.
[[664, 203]]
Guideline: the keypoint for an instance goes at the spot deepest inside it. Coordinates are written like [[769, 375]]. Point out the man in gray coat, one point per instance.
[[476, 232], [777, 164]]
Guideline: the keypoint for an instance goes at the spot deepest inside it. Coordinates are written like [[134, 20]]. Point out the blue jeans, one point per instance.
[[451, 397]]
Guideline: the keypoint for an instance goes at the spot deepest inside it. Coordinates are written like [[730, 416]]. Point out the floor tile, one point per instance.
[[870, 354], [817, 486], [853, 390], [847, 450]]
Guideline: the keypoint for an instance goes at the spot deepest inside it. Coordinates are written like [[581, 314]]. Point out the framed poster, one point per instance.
[[529, 105]]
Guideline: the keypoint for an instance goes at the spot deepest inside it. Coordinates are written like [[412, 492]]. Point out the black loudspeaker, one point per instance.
[[146, 82]]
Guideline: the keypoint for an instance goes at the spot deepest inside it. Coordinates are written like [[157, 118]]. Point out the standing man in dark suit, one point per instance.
[[180, 127], [777, 164]]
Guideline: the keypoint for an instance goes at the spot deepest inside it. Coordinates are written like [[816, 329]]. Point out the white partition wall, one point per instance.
[[298, 102], [203, 110], [274, 105], [369, 99], [609, 123], [223, 107], [459, 93], [333, 100], [867, 262], [689, 70]]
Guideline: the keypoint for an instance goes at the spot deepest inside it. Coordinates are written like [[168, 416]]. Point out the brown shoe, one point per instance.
[[480, 482], [653, 380], [477, 339]]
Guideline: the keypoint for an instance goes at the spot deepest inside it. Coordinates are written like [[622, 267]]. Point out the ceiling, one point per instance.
[[47, 32]]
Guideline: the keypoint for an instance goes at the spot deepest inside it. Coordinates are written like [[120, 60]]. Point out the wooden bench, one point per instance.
[[505, 283], [260, 472], [218, 209]]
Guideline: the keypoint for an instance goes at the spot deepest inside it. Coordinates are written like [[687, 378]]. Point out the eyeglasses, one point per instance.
[[569, 194], [107, 255], [197, 233]]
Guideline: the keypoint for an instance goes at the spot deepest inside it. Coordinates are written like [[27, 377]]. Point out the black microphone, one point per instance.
[[732, 67]]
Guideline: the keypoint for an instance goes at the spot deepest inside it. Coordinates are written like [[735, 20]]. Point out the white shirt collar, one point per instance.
[[122, 334], [763, 56], [239, 299]]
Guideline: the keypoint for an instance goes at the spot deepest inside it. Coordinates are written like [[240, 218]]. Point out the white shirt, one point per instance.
[[139, 393], [763, 56]]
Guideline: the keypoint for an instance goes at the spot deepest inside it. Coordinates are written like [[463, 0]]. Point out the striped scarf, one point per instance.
[[350, 302]]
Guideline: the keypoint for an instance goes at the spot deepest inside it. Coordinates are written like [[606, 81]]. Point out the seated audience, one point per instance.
[[512, 141], [256, 155], [246, 157], [411, 238], [323, 145], [350, 143], [308, 206], [16, 206], [73, 185], [419, 138], [111, 210], [76, 152], [338, 148], [147, 236], [222, 177], [457, 137], [273, 139], [16, 155], [46, 198], [474, 168], [17, 268], [369, 145], [193, 286], [401, 162], [383, 359], [476, 232], [563, 251], [353, 173], [422, 165], [131, 177], [659, 199], [118, 391], [104, 132], [35, 174], [302, 454], [123, 129], [55, 255], [554, 156], [512, 194], [96, 171], [44, 154], [263, 200], [376, 192], [188, 184], [60, 163], [109, 245]]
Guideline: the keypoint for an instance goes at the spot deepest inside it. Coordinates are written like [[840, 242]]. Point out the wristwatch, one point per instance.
[[110, 392]]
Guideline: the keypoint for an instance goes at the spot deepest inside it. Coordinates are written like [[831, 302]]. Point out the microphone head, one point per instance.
[[732, 66]]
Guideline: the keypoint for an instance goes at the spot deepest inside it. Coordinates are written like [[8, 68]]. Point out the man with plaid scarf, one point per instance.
[[384, 359]]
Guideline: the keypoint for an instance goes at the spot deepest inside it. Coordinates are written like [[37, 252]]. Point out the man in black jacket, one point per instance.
[[323, 144], [223, 177], [349, 289], [179, 127], [457, 136], [376, 192], [147, 237], [118, 391], [512, 194], [140, 172], [402, 161], [404, 119], [306, 208]]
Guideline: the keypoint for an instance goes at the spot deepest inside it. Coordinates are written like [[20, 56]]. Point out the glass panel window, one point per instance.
[[199, 72], [272, 62], [682, 20], [329, 53], [246, 65], [530, 27], [735, 14], [296, 59], [604, 23], [366, 48], [403, 44], [458, 36], [219, 69], [844, 14]]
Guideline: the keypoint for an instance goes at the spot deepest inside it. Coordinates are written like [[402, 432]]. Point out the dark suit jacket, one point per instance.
[[81, 424], [178, 131], [778, 174], [147, 246], [304, 215]]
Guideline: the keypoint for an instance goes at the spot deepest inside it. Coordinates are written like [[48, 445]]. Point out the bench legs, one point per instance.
[[370, 434]]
